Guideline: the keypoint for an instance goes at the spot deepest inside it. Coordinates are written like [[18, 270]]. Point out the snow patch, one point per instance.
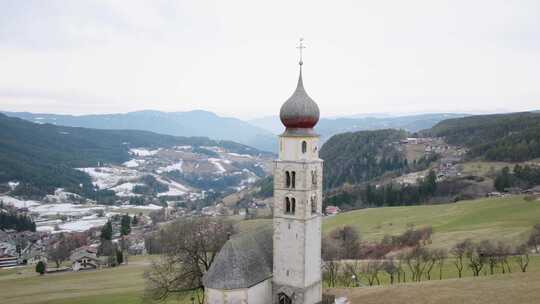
[[217, 163], [147, 207], [174, 167], [143, 152], [125, 189], [83, 225], [133, 163], [240, 155], [13, 185], [107, 177], [64, 209], [17, 203]]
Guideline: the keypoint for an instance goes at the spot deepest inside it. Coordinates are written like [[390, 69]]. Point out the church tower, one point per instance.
[[298, 203]]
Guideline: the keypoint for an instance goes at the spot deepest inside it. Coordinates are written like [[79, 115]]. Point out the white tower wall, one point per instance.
[[297, 232]]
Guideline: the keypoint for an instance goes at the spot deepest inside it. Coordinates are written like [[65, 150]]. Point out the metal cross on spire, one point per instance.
[[300, 47]]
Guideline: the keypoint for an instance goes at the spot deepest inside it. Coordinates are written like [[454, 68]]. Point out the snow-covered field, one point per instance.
[[173, 167], [133, 163], [175, 188], [126, 189], [107, 177], [147, 207], [17, 203], [65, 209]]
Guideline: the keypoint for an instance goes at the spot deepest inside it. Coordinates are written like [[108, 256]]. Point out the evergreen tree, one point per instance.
[[503, 180], [125, 227], [40, 268], [119, 257], [107, 231]]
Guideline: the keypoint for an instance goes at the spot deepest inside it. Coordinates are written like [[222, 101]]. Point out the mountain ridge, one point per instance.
[[191, 123]]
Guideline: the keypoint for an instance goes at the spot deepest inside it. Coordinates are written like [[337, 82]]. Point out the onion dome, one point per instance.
[[299, 111]]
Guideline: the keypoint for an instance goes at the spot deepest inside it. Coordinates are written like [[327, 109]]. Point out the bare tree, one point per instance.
[[534, 238], [331, 272], [352, 273], [331, 254], [459, 251], [390, 267], [349, 241], [189, 247], [476, 258], [371, 271], [418, 259], [59, 252], [435, 257], [441, 255], [504, 251], [489, 251], [522, 257]]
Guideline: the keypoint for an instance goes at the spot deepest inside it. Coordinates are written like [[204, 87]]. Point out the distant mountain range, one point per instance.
[[328, 127], [258, 133], [192, 123]]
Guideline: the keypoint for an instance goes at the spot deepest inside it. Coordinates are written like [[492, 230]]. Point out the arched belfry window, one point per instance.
[[284, 299], [293, 178], [287, 179], [314, 177], [304, 146], [313, 204], [287, 205], [290, 205]]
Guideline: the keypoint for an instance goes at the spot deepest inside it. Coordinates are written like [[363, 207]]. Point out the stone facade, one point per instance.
[[297, 220]]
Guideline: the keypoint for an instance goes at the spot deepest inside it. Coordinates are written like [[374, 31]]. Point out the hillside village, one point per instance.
[[154, 186]]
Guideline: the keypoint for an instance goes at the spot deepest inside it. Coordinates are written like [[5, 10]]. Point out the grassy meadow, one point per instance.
[[509, 219], [123, 284]]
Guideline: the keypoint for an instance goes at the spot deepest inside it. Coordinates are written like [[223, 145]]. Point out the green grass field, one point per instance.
[[508, 219], [123, 284]]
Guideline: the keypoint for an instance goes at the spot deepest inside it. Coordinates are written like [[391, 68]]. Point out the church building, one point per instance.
[[280, 265]]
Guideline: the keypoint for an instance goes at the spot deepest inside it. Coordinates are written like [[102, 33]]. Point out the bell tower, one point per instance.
[[298, 203]]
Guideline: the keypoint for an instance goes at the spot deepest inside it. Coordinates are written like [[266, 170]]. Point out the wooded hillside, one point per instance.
[[503, 137], [361, 156]]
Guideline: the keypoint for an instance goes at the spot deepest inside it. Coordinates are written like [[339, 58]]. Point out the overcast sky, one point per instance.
[[238, 58]]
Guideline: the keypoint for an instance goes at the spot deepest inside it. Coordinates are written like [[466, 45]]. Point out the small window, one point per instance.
[[314, 177], [293, 184], [287, 205], [304, 146], [287, 179], [293, 205], [313, 204]]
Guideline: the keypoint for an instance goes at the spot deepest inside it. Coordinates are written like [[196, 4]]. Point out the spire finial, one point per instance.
[[300, 47]]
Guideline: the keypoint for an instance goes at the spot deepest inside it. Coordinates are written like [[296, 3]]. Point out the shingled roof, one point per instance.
[[244, 261]]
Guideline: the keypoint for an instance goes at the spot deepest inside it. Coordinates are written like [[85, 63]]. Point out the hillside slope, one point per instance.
[[501, 137], [360, 156], [509, 219], [192, 123], [44, 155]]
